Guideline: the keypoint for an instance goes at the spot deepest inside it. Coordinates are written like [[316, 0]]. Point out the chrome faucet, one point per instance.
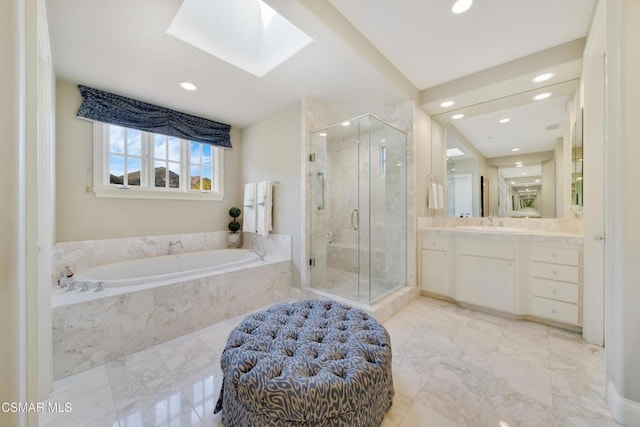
[[172, 244], [260, 254]]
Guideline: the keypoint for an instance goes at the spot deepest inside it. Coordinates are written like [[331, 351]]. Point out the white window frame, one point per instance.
[[104, 189]]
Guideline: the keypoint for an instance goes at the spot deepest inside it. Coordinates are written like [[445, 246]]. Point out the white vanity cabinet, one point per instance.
[[555, 291], [436, 265], [486, 273], [533, 275]]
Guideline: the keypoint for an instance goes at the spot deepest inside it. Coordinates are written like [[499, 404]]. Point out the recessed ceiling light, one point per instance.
[[453, 169], [323, 134], [542, 96], [518, 166], [523, 173], [518, 163], [537, 180], [505, 120], [461, 6], [513, 183], [346, 123], [542, 77], [515, 149], [457, 116], [446, 104], [188, 86]]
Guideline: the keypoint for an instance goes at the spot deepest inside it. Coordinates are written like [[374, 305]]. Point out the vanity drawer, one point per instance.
[[566, 256], [556, 310], [564, 273], [487, 249], [562, 291], [435, 243]]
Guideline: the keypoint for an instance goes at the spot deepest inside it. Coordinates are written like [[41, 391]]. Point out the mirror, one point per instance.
[[576, 162], [509, 156]]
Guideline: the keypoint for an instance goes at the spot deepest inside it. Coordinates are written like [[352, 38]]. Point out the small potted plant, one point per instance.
[[233, 238]]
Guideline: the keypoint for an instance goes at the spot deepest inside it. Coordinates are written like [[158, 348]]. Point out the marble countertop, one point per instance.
[[506, 233]]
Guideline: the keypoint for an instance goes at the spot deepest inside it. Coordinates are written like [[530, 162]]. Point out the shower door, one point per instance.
[[358, 209], [340, 210]]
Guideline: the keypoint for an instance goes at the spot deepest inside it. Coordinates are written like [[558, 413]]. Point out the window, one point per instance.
[[133, 164]]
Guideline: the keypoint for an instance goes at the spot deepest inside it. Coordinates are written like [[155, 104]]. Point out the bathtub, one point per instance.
[[182, 266], [151, 300]]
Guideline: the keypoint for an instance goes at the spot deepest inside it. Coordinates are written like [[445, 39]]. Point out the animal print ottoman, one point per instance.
[[309, 363]]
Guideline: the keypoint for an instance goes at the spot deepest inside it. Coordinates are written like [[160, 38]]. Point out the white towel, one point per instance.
[[250, 212], [440, 196], [264, 198], [432, 201]]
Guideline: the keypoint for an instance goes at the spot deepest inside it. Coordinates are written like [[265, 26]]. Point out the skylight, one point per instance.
[[454, 152], [248, 34]]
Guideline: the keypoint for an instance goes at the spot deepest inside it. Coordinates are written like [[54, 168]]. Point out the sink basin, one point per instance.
[[491, 229]]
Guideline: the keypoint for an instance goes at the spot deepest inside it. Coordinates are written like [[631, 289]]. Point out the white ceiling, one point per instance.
[[526, 130], [430, 45], [122, 46]]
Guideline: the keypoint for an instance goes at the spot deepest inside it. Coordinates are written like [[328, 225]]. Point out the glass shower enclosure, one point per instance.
[[358, 196]]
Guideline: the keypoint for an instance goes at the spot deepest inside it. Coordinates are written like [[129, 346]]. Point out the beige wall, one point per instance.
[[622, 325], [548, 191], [12, 236], [271, 151], [82, 216]]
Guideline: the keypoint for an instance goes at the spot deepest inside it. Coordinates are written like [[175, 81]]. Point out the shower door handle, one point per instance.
[[355, 219]]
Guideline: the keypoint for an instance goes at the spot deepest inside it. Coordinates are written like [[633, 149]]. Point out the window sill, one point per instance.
[[136, 193]]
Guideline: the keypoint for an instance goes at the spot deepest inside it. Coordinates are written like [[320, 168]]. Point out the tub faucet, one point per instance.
[[172, 244], [260, 254]]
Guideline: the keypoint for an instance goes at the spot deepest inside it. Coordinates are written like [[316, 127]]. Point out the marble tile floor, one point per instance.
[[452, 367]]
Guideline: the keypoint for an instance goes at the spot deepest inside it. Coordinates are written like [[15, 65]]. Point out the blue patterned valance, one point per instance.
[[122, 111]]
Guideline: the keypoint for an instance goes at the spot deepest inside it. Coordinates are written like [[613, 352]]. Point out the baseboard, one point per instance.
[[625, 411]]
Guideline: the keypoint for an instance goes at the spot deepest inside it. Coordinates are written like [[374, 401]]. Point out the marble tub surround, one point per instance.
[[451, 367], [113, 325], [273, 245], [82, 255]]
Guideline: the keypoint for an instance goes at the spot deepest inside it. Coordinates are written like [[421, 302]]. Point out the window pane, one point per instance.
[[206, 153], [159, 146], [174, 149], [174, 175], [207, 178], [133, 170], [116, 170], [160, 174], [134, 144], [195, 177], [195, 153], [116, 139]]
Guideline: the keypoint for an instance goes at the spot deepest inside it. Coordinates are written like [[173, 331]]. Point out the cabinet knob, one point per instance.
[[554, 255], [555, 272], [553, 311], [555, 291]]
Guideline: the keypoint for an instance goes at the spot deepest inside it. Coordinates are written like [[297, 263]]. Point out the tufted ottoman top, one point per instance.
[[306, 361]]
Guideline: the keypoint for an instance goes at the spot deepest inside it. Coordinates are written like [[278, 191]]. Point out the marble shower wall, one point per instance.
[[402, 115], [367, 172]]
